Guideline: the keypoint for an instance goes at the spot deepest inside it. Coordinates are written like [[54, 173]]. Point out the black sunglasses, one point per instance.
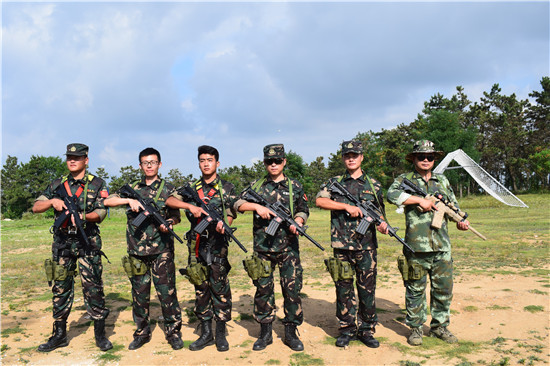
[[277, 161], [422, 157]]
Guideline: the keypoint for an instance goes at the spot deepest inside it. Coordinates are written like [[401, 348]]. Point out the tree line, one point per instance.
[[506, 136]]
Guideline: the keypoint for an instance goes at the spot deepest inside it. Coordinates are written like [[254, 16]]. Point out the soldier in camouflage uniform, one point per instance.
[[352, 250], [153, 247], [213, 295], [432, 247], [68, 248], [280, 250]]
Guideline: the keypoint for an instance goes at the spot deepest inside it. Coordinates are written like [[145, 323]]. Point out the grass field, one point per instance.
[[518, 242]]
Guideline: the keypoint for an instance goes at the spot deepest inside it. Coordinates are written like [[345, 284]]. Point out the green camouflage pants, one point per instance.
[[364, 264], [439, 266], [90, 269], [290, 272], [161, 269], [213, 297]]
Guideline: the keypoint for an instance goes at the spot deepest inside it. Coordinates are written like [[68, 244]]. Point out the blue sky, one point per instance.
[[124, 76]]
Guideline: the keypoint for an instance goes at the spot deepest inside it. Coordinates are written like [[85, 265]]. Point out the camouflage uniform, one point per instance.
[[156, 249], [432, 251], [68, 249], [281, 250], [360, 251], [213, 297]]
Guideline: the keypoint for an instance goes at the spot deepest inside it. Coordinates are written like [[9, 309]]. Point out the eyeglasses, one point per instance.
[[149, 163], [422, 157], [276, 161]]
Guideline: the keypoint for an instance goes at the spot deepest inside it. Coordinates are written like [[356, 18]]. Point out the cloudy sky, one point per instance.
[[123, 76]]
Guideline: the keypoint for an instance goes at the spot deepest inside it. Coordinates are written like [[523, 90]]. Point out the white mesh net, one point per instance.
[[484, 179]]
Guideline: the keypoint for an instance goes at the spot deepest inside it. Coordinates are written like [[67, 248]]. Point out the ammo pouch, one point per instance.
[[257, 267], [133, 266], [196, 272], [410, 271], [338, 269], [55, 272]]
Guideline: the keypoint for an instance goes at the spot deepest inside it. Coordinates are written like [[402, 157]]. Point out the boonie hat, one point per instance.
[[424, 147]]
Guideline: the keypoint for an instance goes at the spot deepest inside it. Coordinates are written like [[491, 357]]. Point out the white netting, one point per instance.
[[484, 179]]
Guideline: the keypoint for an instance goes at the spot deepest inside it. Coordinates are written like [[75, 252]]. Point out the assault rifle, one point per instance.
[[72, 211], [150, 209], [371, 214], [213, 217], [282, 215], [444, 206]]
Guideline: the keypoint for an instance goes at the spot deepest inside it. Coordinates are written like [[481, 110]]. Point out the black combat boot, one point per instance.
[[206, 338], [100, 339], [221, 342], [265, 338], [291, 339], [58, 338]]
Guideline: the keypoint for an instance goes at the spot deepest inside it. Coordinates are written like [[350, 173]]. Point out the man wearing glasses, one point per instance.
[[280, 250], [151, 253], [353, 253], [69, 248], [432, 247]]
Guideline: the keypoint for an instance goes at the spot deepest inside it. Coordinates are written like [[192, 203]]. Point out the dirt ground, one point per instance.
[[488, 316]]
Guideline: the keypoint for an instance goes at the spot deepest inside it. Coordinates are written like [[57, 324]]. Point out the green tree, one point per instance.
[[176, 178], [538, 125], [128, 174], [503, 136], [23, 183]]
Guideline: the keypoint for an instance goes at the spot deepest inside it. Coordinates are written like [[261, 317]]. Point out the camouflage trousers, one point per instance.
[[290, 272], [161, 269], [439, 267], [213, 296], [364, 264], [90, 269]]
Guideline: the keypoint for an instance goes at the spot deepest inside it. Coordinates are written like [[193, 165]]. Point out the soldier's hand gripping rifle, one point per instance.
[[150, 209], [371, 214], [282, 215], [213, 216], [444, 206]]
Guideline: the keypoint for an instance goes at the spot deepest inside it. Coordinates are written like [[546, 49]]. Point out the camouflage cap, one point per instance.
[[353, 146], [276, 151], [77, 149], [424, 147]]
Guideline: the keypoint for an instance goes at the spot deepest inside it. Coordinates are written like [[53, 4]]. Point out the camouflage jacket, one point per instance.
[[419, 235], [283, 239], [147, 239], [217, 241], [90, 200], [342, 233]]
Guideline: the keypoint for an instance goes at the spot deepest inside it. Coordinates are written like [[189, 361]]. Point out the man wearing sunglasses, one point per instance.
[[280, 250], [151, 253], [354, 254], [432, 247]]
